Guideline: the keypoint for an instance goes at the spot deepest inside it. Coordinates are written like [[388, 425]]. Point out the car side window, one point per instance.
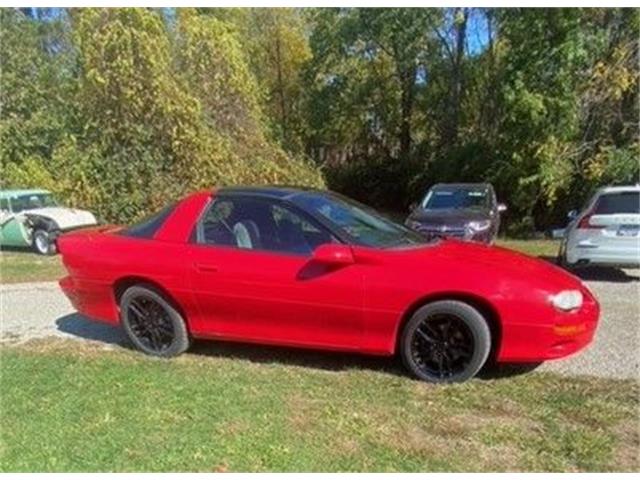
[[213, 228], [260, 224]]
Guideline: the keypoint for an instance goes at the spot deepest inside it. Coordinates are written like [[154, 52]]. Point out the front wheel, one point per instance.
[[152, 323], [43, 243], [445, 341]]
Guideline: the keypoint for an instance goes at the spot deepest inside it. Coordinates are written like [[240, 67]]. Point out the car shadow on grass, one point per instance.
[[8, 249], [81, 327]]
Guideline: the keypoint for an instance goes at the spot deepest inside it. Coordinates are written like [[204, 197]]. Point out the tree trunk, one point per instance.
[[280, 89], [456, 89], [407, 78]]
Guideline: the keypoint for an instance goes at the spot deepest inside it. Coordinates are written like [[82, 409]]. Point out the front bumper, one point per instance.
[[460, 233], [564, 335]]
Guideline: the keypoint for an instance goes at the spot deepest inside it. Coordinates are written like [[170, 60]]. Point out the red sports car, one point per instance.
[[309, 268]]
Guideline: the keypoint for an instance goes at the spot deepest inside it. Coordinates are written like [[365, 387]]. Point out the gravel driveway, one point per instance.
[[37, 310]]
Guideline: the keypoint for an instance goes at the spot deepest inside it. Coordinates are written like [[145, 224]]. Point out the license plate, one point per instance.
[[628, 230]]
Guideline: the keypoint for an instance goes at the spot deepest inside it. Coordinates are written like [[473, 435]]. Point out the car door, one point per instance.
[[254, 279], [12, 229]]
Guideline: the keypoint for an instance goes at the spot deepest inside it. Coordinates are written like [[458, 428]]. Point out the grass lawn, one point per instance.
[[546, 248], [25, 266], [73, 407]]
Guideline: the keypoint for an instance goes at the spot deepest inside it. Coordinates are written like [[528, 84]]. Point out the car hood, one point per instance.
[[64, 217], [448, 216], [513, 264], [474, 263]]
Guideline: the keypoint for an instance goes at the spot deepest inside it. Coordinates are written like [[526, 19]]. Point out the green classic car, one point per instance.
[[32, 218]]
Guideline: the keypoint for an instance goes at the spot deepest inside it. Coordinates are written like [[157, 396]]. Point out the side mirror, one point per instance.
[[333, 254], [413, 206], [502, 207], [572, 214]]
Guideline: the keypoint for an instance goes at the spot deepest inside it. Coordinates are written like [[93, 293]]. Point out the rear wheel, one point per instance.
[[42, 243], [445, 341], [152, 323]]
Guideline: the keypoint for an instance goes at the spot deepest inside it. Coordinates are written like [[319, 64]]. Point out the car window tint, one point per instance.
[[456, 199], [623, 202], [260, 224], [363, 224], [32, 201], [214, 225]]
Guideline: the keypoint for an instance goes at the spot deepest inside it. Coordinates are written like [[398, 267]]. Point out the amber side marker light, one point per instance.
[[565, 330]]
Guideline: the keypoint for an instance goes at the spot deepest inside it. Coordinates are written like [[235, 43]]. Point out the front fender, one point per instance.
[[40, 222]]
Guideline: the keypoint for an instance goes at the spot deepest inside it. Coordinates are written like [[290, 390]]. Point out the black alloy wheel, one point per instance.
[[446, 341], [152, 323]]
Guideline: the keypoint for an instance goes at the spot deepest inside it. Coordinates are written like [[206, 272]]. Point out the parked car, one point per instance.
[[606, 231], [310, 268], [468, 211], [33, 218]]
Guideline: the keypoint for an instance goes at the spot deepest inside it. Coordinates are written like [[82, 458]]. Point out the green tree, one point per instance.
[[150, 110], [279, 51], [36, 84], [211, 58]]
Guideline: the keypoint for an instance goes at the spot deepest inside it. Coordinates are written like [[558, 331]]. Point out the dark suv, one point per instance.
[[468, 211]]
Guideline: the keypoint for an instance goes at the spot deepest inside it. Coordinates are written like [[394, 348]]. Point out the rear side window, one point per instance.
[[148, 227], [623, 202]]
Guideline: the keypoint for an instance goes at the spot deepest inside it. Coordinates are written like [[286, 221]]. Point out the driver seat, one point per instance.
[[246, 234]]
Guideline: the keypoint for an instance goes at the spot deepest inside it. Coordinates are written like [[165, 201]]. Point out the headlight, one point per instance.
[[567, 300], [479, 225]]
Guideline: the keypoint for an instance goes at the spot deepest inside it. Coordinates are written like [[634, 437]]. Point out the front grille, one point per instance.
[[431, 231]]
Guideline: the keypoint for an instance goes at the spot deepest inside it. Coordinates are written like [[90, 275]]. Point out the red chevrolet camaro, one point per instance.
[[309, 268]]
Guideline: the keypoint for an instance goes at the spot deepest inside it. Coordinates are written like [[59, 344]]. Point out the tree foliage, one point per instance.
[[154, 114], [541, 102], [121, 110]]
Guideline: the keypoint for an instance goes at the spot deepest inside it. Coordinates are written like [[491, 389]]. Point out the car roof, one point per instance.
[[461, 185], [19, 193], [619, 188], [282, 192]]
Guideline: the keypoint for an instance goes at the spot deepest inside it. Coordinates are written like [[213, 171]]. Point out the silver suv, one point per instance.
[[606, 231]]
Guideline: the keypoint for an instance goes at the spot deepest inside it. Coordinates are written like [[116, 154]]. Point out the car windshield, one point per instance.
[[31, 201], [363, 224], [456, 198], [623, 202]]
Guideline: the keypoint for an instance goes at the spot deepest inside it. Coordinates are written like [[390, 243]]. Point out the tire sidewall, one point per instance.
[[181, 340], [472, 318], [43, 234]]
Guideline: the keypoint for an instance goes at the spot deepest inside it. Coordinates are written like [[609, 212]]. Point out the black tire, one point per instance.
[[445, 341], [152, 323], [42, 243]]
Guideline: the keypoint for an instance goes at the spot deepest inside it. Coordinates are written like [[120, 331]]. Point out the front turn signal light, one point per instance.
[[568, 330]]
